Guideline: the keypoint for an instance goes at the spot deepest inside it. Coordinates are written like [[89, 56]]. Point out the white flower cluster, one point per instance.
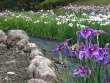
[[70, 19]]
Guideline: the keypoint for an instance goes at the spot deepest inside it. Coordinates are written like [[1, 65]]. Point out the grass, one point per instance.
[[40, 29], [49, 25]]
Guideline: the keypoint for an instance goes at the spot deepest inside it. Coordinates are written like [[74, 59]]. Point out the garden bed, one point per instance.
[[54, 25]]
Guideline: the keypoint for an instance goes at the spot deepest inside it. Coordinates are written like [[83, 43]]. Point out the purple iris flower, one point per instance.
[[66, 51], [82, 51], [93, 51], [62, 46], [82, 47], [90, 52], [101, 55], [82, 54], [106, 60], [85, 33], [81, 71], [75, 50], [78, 36], [89, 32], [106, 78], [98, 32], [59, 47], [67, 42]]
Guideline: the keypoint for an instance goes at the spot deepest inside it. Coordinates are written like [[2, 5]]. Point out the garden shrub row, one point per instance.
[[31, 4]]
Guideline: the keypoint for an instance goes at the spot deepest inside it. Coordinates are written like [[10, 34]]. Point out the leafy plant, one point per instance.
[[90, 62]]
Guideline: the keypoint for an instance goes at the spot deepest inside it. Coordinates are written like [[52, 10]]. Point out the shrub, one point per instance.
[[84, 62], [31, 4]]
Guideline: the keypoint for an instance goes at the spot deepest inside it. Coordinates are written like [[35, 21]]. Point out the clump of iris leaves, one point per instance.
[[85, 61]]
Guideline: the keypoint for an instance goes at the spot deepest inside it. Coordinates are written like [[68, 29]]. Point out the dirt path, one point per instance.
[[13, 64]]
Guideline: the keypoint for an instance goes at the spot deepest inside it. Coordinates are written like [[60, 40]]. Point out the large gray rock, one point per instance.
[[42, 71], [40, 67], [16, 35], [36, 62], [22, 44], [46, 73], [31, 46], [31, 70], [3, 36], [40, 60], [36, 52]]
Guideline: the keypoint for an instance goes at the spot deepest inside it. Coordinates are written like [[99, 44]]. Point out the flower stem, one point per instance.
[[98, 40]]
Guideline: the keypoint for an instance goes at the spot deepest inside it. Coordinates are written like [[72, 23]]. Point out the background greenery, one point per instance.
[[46, 4], [50, 30], [45, 25]]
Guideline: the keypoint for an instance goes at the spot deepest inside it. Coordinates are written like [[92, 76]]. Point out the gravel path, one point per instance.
[[13, 65]]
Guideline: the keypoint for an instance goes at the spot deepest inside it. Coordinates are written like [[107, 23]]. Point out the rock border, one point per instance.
[[40, 69]]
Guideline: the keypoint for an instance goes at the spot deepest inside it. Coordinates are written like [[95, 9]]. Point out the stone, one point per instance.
[[37, 81], [36, 52], [31, 69], [40, 60], [40, 67], [3, 36], [10, 62], [2, 45], [46, 73], [16, 35], [36, 62], [31, 45], [22, 44], [11, 73]]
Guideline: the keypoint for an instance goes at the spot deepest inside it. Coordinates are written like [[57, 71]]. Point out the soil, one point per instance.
[[13, 65]]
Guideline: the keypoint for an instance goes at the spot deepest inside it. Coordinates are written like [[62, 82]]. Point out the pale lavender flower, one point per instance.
[[106, 78], [81, 71], [85, 33], [107, 60], [62, 46], [101, 55], [82, 51]]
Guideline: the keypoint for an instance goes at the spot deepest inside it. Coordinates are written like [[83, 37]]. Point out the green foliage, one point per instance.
[[15, 4], [51, 3], [46, 4], [50, 25]]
